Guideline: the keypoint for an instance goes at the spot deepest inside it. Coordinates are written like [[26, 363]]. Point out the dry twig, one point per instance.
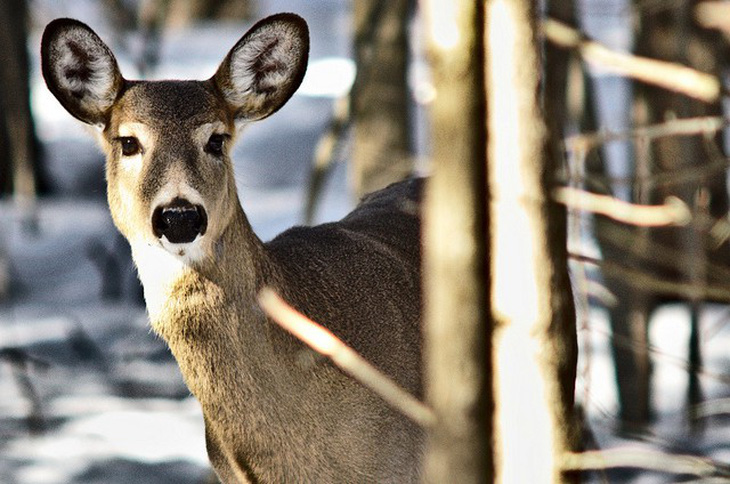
[[324, 342], [705, 125], [644, 459], [714, 15], [668, 75], [647, 283], [712, 408], [673, 212]]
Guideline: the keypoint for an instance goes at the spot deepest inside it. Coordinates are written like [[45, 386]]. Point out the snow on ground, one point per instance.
[[674, 430]]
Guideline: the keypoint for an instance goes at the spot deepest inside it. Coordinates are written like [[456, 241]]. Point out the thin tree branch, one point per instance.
[[668, 75], [644, 282], [712, 408], [661, 256], [690, 173], [644, 459], [579, 145], [659, 355], [704, 125], [324, 342], [714, 15], [673, 212]]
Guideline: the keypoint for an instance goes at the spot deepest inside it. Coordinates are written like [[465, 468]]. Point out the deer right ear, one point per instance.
[[80, 70], [265, 67]]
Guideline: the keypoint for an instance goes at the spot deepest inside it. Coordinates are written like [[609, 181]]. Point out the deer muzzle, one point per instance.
[[179, 221]]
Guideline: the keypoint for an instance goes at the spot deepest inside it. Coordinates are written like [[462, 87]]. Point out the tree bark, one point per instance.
[[534, 342], [456, 282], [183, 12], [18, 153], [381, 152]]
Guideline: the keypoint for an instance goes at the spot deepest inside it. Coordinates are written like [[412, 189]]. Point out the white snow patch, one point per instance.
[[329, 77], [148, 431]]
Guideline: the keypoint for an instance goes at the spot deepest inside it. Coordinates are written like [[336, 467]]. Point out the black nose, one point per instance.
[[180, 221]]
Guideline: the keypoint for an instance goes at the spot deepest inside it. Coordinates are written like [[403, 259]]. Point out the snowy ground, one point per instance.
[[89, 395], [674, 430]]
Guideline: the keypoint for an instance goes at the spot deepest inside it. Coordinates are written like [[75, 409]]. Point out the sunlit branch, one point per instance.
[[668, 75], [704, 125], [673, 212], [647, 283], [324, 342], [644, 459], [712, 408], [714, 15]]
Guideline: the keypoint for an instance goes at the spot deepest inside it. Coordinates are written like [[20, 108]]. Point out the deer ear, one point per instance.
[[265, 67], [80, 70]]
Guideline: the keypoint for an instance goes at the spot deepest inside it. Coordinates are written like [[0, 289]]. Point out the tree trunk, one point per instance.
[[556, 71], [557, 63], [18, 163], [183, 12], [456, 281], [381, 152], [534, 342]]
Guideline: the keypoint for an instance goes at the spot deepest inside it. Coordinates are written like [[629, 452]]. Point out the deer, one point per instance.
[[274, 411]]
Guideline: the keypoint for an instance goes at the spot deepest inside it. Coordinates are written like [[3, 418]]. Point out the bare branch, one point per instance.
[[658, 255], [644, 459], [705, 125], [668, 75], [325, 153], [714, 15], [676, 361], [324, 342], [645, 282], [673, 212], [712, 408]]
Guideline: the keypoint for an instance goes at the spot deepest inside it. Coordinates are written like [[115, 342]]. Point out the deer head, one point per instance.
[[170, 181]]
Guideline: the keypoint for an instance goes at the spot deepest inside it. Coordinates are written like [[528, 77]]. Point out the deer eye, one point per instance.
[[130, 145], [215, 144]]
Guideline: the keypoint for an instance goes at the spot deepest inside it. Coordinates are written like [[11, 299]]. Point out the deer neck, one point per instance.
[[242, 369], [208, 314]]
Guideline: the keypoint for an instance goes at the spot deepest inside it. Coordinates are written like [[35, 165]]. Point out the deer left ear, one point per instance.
[[80, 70], [265, 67]]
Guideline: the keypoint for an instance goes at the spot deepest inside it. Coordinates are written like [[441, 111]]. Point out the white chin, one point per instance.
[[188, 252]]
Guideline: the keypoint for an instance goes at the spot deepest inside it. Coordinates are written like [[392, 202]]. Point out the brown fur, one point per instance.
[[274, 411]]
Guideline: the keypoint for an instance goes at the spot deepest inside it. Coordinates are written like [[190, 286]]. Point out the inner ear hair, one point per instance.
[[265, 67], [80, 70]]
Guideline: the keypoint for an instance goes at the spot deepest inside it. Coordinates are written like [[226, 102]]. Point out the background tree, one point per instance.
[[534, 342], [457, 321], [182, 12], [19, 154], [523, 392], [380, 98], [689, 168], [377, 109], [19, 148]]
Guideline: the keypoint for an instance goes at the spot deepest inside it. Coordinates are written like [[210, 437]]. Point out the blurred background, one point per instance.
[[89, 395]]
